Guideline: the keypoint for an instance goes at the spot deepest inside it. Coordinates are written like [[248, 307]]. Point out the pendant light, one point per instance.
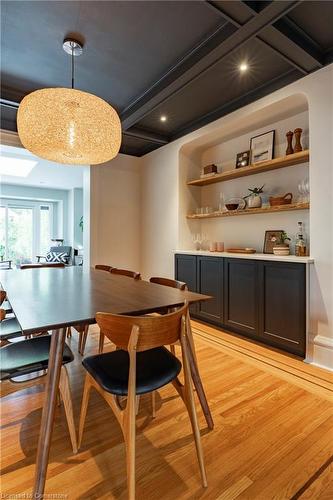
[[69, 126]]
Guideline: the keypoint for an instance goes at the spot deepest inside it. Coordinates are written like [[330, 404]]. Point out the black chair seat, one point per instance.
[[28, 356], [154, 369], [10, 328]]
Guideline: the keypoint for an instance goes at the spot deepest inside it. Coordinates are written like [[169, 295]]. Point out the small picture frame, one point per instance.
[[243, 159], [262, 147], [272, 238]]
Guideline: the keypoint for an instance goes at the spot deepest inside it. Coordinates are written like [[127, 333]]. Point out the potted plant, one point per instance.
[[282, 248], [254, 198]]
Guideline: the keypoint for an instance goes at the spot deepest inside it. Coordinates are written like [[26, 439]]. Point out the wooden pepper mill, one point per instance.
[[298, 145], [289, 149]]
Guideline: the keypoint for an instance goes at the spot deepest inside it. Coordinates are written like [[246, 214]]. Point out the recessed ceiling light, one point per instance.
[[163, 118], [16, 166], [243, 67]]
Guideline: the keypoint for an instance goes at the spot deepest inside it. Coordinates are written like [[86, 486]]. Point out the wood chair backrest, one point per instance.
[[2, 296], [2, 314], [154, 331], [126, 272], [103, 267], [169, 282], [41, 266]]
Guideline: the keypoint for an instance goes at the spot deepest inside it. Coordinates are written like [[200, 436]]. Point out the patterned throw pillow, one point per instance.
[[61, 257]]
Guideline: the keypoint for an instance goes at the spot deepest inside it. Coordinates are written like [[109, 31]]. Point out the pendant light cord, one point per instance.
[[72, 67]]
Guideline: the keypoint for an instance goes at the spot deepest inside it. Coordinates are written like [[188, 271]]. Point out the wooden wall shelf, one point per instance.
[[264, 166], [252, 211]]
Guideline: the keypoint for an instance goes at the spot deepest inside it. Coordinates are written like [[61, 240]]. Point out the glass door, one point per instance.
[[20, 235], [25, 230]]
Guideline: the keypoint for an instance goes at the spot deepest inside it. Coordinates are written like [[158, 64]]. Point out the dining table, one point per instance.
[[46, 299]]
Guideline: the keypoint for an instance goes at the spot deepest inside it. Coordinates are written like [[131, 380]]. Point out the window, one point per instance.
[[25, 230]]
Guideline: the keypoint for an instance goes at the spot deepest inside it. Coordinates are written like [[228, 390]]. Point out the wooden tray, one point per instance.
[[241, 250]]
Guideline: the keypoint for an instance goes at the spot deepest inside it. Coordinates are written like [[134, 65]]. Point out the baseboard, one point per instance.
[[322, 355]]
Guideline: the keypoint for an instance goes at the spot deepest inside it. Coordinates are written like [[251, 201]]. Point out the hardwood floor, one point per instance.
[[273, 436]]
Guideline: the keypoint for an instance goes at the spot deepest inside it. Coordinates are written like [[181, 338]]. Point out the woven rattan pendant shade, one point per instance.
[[69, 126]]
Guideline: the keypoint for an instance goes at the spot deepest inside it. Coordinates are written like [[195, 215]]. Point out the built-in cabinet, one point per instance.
[[241, 300], [263, 300], [210, 282]]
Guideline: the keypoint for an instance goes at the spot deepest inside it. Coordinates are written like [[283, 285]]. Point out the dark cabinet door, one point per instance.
[[210, 282], [241, 296], [186, 271], [283, 305]]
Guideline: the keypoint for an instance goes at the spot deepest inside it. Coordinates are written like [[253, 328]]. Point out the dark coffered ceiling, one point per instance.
[[153, 58]]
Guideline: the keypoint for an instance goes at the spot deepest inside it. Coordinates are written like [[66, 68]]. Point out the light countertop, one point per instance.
[[255, 256]]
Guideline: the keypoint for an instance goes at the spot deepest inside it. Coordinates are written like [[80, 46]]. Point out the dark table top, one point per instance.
[[45, 299]]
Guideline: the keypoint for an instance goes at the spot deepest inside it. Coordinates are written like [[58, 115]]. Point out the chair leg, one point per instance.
[[190, 405], [129, 435], [101, 343], [84, 339], [65, 392], [84, 407], [153, 404], [79, 343], [69, 332], [137, 404]]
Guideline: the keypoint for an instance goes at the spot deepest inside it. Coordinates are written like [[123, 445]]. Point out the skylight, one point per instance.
[[18, 167]]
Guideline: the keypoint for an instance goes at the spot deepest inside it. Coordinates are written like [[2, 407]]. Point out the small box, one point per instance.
[[210, 169]]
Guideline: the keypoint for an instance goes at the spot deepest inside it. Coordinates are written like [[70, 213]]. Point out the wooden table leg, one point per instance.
[[196, 377], [51, 389]]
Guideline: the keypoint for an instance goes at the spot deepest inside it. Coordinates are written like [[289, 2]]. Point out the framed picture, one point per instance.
[[272, 238], [243, 159], [262, 147]]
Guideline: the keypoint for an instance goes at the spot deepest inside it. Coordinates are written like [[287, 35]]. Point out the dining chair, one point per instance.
[[31, 356], [194, 364], [121, 272], [141, 365], [42, 265], [126, 272], [169, 282], [103, 267], [83, 329]]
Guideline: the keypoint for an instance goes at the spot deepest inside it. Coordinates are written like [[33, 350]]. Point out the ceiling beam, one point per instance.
[[9, 104], [227, 39], [239, 102], [289, 39], [283, 55], [146, 135]]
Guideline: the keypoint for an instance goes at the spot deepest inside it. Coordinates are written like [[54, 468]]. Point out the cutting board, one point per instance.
[[241, 250]]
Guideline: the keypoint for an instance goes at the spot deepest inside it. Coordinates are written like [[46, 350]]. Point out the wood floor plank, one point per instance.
[[273, 432]]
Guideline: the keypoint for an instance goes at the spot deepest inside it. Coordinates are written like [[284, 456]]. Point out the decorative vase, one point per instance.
[[254, 201]]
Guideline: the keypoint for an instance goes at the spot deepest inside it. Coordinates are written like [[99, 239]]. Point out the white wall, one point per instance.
[[161, 220], [115, 213]]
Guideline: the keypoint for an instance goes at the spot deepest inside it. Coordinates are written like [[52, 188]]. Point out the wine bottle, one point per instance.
[[300, 246]]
